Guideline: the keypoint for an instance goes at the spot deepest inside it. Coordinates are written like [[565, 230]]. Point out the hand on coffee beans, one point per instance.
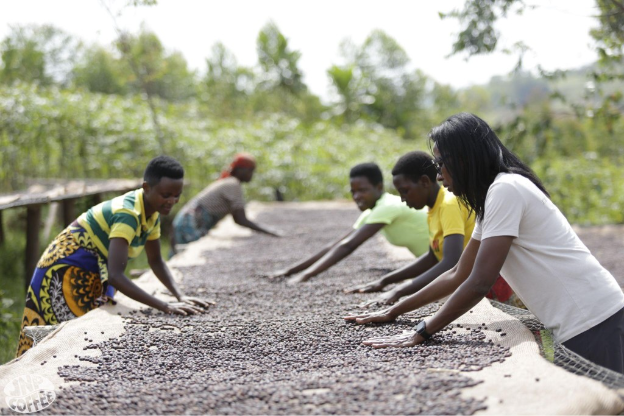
[[375, 286], [377, 316], [406, 339], [386, 298], [182, 308], [204, 303], [279, 274], [298, 278]]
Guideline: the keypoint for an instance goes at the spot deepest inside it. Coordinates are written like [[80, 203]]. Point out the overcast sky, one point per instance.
[[557, 31]]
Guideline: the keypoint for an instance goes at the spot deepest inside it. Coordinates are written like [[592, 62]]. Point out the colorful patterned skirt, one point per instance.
[[193, 223], [71, 279]]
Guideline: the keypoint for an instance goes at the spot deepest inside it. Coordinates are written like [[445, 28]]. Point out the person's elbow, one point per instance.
[[449, 262], [240, 220], [480, 288], [114, 279], [347, 246]]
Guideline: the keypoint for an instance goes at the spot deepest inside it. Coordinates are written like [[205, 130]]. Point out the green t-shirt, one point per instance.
[[405, 227]]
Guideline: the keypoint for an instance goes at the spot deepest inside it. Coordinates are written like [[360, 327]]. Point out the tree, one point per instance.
[[156, 73], [377, 83], [605, 105], [478, 35], [42, 54], [280, 86], [278, 63], [100, 71], [227, 86], [343, 80]]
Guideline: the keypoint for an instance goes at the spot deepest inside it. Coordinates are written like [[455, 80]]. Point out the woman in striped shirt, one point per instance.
[[84, 265]]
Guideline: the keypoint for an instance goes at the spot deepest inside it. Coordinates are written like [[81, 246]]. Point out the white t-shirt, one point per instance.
[[548, 266]]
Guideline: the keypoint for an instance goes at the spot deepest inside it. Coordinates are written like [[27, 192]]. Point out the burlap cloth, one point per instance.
[[525, 383]]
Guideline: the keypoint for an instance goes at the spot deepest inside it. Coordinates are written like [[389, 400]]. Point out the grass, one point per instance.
[[13, 293]]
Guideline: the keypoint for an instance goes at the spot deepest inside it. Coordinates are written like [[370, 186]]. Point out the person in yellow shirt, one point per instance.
[[450, 228]]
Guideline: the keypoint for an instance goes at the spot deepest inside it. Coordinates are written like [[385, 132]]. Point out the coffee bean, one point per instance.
[[270, 348]]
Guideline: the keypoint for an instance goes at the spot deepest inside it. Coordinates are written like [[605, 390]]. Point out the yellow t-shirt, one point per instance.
[[447, 217]]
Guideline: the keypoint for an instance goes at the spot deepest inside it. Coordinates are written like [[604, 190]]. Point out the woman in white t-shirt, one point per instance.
[[522, 235]]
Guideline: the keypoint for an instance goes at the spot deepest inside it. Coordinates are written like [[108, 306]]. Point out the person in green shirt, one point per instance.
[[381, 212], [450, 227]]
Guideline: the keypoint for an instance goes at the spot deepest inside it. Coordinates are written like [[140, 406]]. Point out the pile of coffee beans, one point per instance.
[[267, 347]]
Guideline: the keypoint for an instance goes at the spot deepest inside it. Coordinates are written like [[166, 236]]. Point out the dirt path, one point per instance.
[[607, 244]]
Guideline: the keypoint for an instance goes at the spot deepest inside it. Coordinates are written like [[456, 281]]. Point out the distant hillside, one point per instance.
[[510, 93]]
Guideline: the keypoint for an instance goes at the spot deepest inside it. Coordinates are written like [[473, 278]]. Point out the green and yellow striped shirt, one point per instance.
[[121, 217]]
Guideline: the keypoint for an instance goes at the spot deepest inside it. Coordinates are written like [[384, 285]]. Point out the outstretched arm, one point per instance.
[[304, 264], [486, 270], [421, 265], [489, 261], [339, 251], [117, 261], [452, 251], [441, 287], [241, 219], [162, 272]]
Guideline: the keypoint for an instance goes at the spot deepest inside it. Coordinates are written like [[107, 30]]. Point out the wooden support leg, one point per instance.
[[1, 230], [33, 226], [69, 211], [96, 199]]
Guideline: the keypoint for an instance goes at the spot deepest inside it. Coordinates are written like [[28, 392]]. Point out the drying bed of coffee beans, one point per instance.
[[272, 348]]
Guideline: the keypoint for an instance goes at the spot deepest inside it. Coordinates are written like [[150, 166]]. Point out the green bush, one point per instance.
[[587, 189]]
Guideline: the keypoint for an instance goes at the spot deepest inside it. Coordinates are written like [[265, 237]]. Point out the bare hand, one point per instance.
[[386, 298], [182, 308], [375, 286], [191, 300], [279, 274], [378, 316], [406, 339], [298, 278]]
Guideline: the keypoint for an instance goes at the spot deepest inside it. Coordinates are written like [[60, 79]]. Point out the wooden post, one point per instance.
[[69, 211], [1, 229], [33, 225], [96, 199]]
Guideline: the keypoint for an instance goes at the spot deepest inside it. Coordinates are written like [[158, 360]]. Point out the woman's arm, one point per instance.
[[489, 261], [117, 261], [339, 251], [304, 264], [421, 265], [486, 270], [240, 218], [441, 287], [452, 251], [162, 272]]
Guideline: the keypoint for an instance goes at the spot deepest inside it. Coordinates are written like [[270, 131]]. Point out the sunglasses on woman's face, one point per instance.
[[437, 164]]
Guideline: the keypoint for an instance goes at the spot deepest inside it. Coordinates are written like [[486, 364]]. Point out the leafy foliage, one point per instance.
[[143, 101], [41, 54], [377, 84], [9, 327], [62, 134]]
